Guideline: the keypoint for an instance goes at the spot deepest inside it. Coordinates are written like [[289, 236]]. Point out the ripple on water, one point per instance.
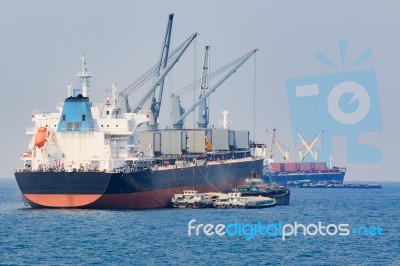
[[30, 236]]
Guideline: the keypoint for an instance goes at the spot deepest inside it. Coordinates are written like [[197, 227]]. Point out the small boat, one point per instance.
[[361, 185], [257, 187], [375, 186], [330, 184], [190, 199], [193, 199], [237, 200]]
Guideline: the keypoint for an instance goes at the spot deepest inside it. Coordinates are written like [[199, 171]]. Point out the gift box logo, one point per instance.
[[341, 104]]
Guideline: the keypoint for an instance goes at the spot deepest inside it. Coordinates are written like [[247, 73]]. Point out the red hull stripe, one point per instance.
[[139, 200], [62, 200], [160, 198]]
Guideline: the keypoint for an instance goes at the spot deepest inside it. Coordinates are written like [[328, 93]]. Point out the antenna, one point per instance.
[[84, 77], [225, 122]]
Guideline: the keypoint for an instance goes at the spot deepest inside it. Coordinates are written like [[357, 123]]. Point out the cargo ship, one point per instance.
[[286, 172], [110, 155]]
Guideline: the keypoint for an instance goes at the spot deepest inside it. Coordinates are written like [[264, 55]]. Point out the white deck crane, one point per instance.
[[179, 114], [284, 153], [309, 147]]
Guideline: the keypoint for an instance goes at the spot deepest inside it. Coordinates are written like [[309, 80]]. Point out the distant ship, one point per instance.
[[282, 173], [286, 172], [96, 155]]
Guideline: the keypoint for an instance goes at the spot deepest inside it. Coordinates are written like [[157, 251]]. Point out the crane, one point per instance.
[[202, 120], [179, 114], [161, 69], [271, 152], [157, 96], [309, 146], [163, 73], [284, 153]]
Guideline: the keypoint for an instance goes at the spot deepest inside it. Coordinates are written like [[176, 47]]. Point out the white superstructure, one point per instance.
[[83, 135]]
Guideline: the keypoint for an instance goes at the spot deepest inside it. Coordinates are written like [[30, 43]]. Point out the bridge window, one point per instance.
[[64, 117], [83, 117], [77, 126]]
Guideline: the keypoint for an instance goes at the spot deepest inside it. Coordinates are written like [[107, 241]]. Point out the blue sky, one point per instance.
[[41, 42]]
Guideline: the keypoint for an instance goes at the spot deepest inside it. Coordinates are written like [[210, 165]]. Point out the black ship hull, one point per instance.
[[134, 190]]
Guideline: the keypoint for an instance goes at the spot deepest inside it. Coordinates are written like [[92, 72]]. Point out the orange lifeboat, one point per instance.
[[40, 138]]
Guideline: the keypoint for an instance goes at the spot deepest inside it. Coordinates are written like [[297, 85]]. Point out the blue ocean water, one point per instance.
[[30, 236]]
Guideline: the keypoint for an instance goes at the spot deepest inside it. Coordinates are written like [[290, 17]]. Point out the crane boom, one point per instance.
[[163, 73], [309, 146], [202, 120], [271, 152], [284, 153], [177, 124], [157, 96]]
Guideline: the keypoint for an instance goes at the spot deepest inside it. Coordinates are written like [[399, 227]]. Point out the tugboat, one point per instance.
[[190, 199], [257, 187], [238, 200], [193, 199]]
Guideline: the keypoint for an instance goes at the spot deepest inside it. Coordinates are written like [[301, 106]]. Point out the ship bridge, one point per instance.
[[76, 115]]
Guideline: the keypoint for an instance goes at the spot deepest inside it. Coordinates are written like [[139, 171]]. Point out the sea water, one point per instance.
[[61, 236]]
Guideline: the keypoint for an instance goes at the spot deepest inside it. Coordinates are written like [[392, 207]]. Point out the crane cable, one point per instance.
[[146, 76]]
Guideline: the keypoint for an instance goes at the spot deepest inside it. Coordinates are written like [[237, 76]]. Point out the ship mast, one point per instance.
[[84, 78], [225, 122]]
